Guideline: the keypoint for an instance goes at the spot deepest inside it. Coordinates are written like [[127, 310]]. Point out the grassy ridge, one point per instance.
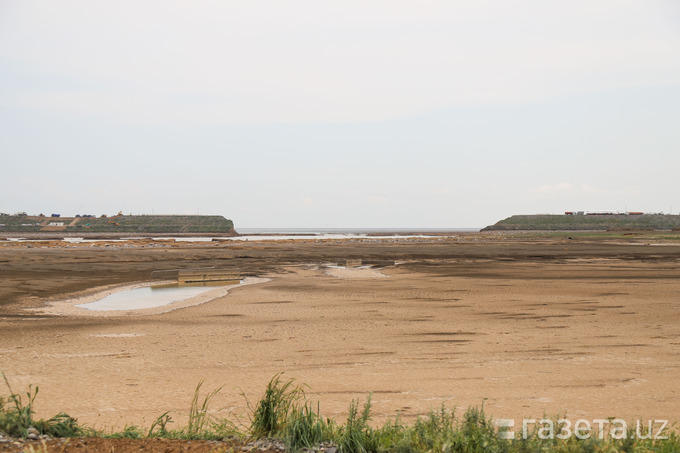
[[155, 224], [586, 222], [140, 224], [284, 413]]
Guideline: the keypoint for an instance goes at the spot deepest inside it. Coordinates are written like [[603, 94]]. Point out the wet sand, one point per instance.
[[590, 329]]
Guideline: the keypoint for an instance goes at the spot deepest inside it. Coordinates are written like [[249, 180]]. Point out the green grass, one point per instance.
[[284, 412], [585, 222], [275, 408], [17, 416], [161, 224], [305, 427]]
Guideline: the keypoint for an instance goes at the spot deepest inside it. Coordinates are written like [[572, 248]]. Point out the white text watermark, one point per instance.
[[601, 428]]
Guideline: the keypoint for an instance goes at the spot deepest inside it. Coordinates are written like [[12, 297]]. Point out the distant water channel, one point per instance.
[[279, 234], [150, 296]]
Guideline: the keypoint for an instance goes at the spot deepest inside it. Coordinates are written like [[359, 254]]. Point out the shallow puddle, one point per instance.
[[151, 296]]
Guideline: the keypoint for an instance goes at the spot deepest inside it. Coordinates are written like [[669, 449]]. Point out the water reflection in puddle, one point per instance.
[[152, 296]]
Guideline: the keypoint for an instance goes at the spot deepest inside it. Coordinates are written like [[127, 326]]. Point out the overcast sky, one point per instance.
[[340, 113]]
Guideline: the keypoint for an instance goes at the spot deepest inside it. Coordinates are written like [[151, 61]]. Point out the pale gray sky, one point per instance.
[[340, 113]]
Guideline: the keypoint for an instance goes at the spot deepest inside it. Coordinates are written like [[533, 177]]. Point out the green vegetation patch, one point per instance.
[[285, 413], [131, 224], [155, 224], [587, 222], [17, 417]]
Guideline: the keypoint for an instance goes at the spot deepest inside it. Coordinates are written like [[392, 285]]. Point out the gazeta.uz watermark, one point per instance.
[[611, 428]]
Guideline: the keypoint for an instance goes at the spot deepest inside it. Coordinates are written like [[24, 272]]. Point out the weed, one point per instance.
[[274, 409], [16, 416], [61, 425], [201, 424], [305, 428], [129, 432], [283, 412], [161, 423], [17, 413], [357, 436], [198, 414]]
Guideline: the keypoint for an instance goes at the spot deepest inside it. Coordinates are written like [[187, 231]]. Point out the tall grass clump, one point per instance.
[[201, 424], [17, 415], [284, 412], [272, 412], [441, 431], [357, 436], [435, 432], [478, 434], [306, 428], [199, 419]]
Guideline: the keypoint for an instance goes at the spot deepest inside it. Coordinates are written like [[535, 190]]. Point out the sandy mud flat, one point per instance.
[[585, 329]]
